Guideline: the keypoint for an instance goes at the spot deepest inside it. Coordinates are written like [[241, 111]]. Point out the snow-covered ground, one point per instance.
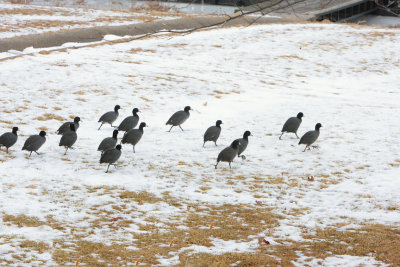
[[251, 78], [16, 20], [192, 8], [383, 21]]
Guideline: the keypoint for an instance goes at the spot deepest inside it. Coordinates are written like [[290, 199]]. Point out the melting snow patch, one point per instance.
[[336, 261]]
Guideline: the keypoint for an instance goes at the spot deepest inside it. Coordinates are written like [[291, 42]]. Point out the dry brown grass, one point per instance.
[[47, 52], [393, 207], [38, 246], [19, 2], [200, 224], [380, 241], [140, 197], [396, 163], [6, 122], [42, 128], [219, 92], [49, 116], [231, 222], [377, 35], [79, 92], [42, 107], [22, 220], [101, 190], [137, 50], [292, 57], [93, 254], [227, 259], [145, 99]]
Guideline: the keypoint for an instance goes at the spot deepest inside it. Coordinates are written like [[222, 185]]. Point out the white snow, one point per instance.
[[391, 21], [343, 260], [252, 78]]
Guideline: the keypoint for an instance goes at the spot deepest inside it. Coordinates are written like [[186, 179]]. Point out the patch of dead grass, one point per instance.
[[145, 99], [200, 224], [38, 246], [393, 207], [137, 50], [396, 163], [49, 116], [219, 92], [140, 197], [18, 2], [80, 92], [43, 128], [292, 57], [6, 122], [227, 259], [22, 220], [380, 241]]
